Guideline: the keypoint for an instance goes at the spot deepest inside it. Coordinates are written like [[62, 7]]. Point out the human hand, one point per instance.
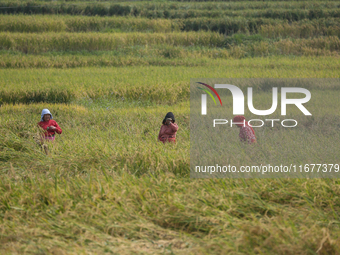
[[52, 127], [168, 121]]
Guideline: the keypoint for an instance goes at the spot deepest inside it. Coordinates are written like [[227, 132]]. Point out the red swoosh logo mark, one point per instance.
[[213, 90]]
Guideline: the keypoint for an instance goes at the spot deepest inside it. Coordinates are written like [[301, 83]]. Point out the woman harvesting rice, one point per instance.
[[49, 125], [168, 129], [247, 133]]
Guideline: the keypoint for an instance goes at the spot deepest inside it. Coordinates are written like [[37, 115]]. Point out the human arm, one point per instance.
[[55, 127], [174, 127], [160, 134]]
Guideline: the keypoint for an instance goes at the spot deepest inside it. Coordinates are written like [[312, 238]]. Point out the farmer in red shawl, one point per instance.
[[168, 129], [247, 133], [49, 125]]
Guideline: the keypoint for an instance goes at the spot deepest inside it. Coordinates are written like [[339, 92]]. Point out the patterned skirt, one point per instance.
[[50, 138]]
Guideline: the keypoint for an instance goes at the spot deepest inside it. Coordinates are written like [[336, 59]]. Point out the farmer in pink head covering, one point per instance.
[[247, 133], [168, 129]]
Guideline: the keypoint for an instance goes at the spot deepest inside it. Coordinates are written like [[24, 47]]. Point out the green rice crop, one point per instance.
[[302, 31], [169, 56], [310, 9], [120, 135], [50, 23], [107, 186], [37, 43], [160, 85], [155, 56], [271, 28], [294, 12], [96, 124], [289, 15], [40, 43], [103, 212], [168, 45]]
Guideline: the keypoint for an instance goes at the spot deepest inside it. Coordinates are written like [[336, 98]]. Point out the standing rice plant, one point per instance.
[[37, 43], [298, 31], [32, 24], [331, 44]]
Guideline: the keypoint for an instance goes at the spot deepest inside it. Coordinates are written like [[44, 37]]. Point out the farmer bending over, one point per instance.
[[247, 133], [168, 129]]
